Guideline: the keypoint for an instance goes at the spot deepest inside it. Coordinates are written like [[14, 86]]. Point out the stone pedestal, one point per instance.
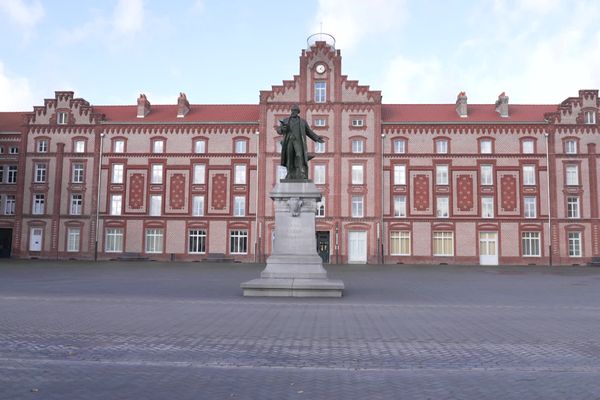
[[294, 268]]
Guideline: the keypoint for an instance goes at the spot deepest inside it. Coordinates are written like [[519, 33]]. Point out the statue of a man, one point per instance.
[[294, 154]]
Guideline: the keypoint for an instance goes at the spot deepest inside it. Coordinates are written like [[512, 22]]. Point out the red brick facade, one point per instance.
[[401, 183]]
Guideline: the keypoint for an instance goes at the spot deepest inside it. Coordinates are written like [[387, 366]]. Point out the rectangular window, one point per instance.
[[39, 204], [399, 174], [119, 146], [154, 240], [589, 117], [319, 174], [443, 243], [358, 122], [42, 146], [13, 150], [487, 175], [529, 175], [155, 205], [320, 122], [443, 207], [76, 207], [357, 175], [319, 147], [77, 174], [530, 242], [573, 207], [199, 174], [240, 146], [485, 146], [61, 118], [441, 146], [10, 205], [320, 209], [197, 241], [570, 146], [357, 206], [240, 174], [282, 172], [487, 207], [157, 174], [400, 243], [200, 146], [239, 206], [528, 146], [158, 146], [358, 146], [400, 206], [79, 146], [73, 238], [530, 207], [198, 206], [441, 174], [320, 92], [574, 244], [572, 175], [117, 173], [399, 146], [113, 242], [40, 173], [1, 171], [238, 242], [11, 177], [116, 201]]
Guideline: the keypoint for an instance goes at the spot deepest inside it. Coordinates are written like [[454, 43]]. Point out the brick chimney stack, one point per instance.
[[183, 105], [461, 104], [502, 105], [143, 106]]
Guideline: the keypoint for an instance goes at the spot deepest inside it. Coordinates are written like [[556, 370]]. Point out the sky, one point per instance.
[[225, 52]]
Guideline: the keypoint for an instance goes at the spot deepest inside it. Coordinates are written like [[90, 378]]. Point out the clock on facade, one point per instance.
[[320, 68]]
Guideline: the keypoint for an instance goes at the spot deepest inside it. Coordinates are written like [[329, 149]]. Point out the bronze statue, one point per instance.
[[294, 154]]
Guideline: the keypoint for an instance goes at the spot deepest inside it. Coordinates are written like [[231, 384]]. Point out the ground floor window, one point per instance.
[[238, 242], [113, 242], [197, 241], [530, 242], [443, 243], [73, 238], [400, 243], [154, 240], [574, 244]]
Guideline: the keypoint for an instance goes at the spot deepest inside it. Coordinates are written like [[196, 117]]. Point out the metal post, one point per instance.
[[256, 235], [382, 198], [98, 197], [546, 135]]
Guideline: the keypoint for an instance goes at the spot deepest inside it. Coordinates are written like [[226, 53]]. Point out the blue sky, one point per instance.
[[537, 51]]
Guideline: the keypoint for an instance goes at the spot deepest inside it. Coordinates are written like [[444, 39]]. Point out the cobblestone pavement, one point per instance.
[[182, 331]]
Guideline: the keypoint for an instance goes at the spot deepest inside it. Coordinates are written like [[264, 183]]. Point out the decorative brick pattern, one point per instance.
[[421, 192], [219, 192], [177, 192], [465, 192], [136, 191], [508, 185]]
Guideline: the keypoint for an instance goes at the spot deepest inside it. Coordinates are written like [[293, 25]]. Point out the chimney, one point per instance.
[[183, 105], [502, 105], [461, 105], [143, 106]]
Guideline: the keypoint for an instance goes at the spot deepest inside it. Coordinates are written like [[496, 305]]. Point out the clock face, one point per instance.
[[320, 69]]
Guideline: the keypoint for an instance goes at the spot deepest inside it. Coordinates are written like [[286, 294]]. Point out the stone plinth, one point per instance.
[[294, 268]]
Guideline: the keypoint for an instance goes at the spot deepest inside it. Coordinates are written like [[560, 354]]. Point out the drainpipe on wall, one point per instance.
[[546, 135], [98, 197], [382, 197]]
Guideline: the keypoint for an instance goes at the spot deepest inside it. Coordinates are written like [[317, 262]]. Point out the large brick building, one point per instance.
[[402, 183]]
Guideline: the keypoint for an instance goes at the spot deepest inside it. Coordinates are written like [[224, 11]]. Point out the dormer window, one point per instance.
[[441, 146], [320, 92], [79, 146], [241, 146], [485, 146], [570, 146], [158, 146], [399, 146], [42, 146], [589, 117], [61, 118], [358, 122]]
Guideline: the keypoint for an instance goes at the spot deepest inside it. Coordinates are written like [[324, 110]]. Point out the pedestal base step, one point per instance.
[[275, 287]]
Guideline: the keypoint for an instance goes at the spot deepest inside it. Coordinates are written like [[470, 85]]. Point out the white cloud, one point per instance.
[[15, 92], [25, 15], [412, 81], [349, 21], [128, 16]]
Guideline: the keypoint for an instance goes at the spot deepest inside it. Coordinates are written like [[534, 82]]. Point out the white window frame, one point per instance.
[[76, 204], [240, 174], [358, 174], [531, 244], [447, 242], [441, 174], [589, 117], [442, 207], [238, 241], [570, 146], [157, 174], [320, 91], [358, 122], [399, 146], [158, 146], [572, 175], [116, 204], [200, 146], [11, 176], [319, 174], [117, 173], [239, 206], [13, 150], [39, 204], [358, 209], [487, 207], [73, 239], [198, 206], [41, 173], [485, 146], [574, 244], [199, 174], [573, 207], [319, 147], [78, 173], [530, 207], [528, 146], [119, 146], [487, 175], [197, 241], [320, 122], [441, 146], [281, 172], [241, 146], [79, 146], [154, 240], [320, 209], [113, 240], [399, 174], [155, 205], [529, 175], [400, 206], [402, 239], [358, 146], [10, 204], [62, 118]]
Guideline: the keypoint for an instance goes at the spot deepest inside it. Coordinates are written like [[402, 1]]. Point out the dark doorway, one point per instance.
[[323, 246], [5, 242]]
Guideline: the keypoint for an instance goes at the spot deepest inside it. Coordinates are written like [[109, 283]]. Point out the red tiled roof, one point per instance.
[[476, 113], [197, 113], [11, 121]]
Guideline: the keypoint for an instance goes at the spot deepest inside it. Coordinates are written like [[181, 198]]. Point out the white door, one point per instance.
[[357, 247], [35, 241], [488, 248]]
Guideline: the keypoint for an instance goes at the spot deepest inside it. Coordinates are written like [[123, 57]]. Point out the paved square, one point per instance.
[[73, 330]]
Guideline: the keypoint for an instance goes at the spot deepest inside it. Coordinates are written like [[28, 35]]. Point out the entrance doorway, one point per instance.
[[35, 239], [5, 242], [323, 246], [488, 248], [357, 247]]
